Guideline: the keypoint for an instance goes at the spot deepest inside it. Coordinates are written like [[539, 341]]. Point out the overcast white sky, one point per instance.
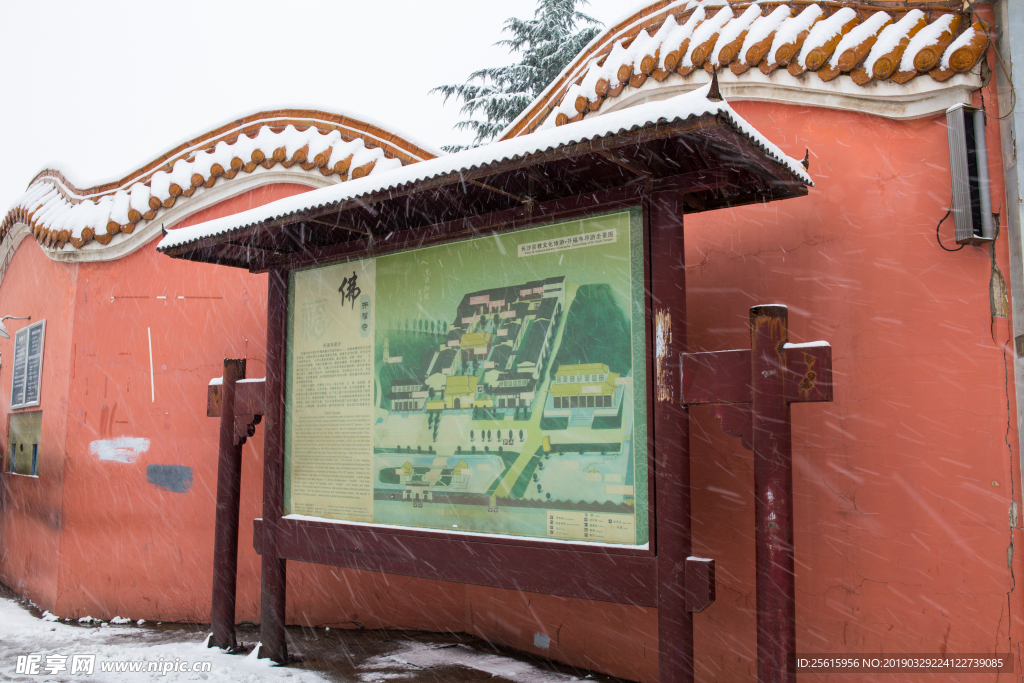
[[98, 88]]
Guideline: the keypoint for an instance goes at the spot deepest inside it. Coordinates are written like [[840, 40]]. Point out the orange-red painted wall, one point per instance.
[[108, 542], [33, 517], [902, 487]]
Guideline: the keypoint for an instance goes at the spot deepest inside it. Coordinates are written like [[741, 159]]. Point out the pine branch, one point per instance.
[[546, 43]]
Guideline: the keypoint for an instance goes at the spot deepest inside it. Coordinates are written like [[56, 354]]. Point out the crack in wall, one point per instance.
[[999, 303]]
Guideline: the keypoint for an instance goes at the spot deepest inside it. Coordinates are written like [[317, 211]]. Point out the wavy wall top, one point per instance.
[[845, 52], [328, 147]]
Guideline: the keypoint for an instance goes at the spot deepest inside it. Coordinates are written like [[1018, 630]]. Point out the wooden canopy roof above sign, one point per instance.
[[694, 144]]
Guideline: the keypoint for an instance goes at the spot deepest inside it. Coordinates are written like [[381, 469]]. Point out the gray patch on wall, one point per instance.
[[173, 478]]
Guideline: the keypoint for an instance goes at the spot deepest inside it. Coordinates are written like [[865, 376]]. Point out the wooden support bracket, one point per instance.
[[245, 426], [248, 409], [700, 583], [249, 398], [723, 377]]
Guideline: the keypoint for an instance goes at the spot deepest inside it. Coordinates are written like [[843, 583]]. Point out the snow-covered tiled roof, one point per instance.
[[671, 44], [834, 47], [679, 108], [331, 146]]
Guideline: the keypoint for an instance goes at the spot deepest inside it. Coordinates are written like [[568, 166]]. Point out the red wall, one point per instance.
[[130, 547], [32, 520], [124, 547], [902, 484]]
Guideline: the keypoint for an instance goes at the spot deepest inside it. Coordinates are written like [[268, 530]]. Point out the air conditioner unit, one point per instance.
[[968, 165]]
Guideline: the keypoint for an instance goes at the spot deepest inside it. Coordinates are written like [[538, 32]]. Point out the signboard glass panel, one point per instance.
[[491, 385]]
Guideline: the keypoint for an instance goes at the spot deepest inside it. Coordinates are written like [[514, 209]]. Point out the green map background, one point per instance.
[[429, 283]]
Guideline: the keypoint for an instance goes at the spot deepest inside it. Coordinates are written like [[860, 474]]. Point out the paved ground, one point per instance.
[[327, 655], [401, 656]]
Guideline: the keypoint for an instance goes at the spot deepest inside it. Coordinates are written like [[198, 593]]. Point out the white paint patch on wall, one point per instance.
[[121, 449]]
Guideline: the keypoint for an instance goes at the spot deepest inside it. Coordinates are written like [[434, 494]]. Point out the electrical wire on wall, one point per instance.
[[939, 239]]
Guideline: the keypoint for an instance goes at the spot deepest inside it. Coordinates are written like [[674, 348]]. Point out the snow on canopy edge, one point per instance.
[[680, 107]]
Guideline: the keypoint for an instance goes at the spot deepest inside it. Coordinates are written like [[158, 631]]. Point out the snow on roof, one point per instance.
[[679, 108], [59, 213], [707, 30], [793, 27], [926, 37], [963, 41], [627, 22], [824, 31], [762, 28], [642, 45], [806, 345], [374, 131], [673, 39], [859, 34], [733, 29], [593, 76], [891, 36]]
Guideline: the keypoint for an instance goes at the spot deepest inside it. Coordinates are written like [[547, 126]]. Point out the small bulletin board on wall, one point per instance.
[[494, 385], [26, 376]]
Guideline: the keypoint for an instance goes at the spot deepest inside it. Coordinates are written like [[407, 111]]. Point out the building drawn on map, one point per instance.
[[525, 392], [492, 355]]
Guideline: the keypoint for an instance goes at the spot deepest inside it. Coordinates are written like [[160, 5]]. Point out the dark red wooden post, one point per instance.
[[273, 588], [750, 391], [773, 491], [225, 542], [671, 438]]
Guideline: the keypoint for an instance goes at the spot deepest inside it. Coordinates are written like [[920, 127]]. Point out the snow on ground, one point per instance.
[[395, 665], [395, 659], [22, 634]]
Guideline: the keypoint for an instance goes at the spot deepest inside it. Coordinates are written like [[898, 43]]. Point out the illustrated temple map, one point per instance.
[[491, 385]]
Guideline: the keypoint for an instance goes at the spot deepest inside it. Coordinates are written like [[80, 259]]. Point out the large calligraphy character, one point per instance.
[[350, 290]]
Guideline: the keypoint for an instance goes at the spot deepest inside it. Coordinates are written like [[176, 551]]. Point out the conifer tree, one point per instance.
[[493, 97]]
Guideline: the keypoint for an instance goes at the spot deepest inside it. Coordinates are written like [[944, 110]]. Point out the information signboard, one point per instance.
[[28, 365], [490, 385]]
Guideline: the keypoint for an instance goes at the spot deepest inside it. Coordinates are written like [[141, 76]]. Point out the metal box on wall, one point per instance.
[[968, 166]]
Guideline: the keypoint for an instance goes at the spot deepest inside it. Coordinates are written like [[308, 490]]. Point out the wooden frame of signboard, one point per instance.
[[695, 163], [651, 577]]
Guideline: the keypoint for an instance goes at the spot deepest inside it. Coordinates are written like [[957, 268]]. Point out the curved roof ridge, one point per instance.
[[682, 38], [336, 146]]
